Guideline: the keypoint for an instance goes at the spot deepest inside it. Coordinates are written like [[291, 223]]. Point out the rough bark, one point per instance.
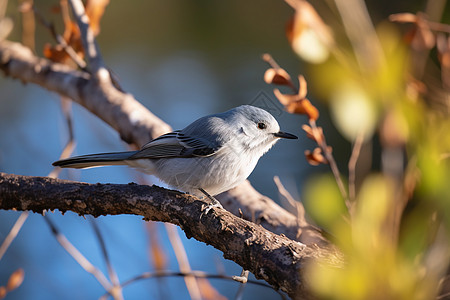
[[275, 258]]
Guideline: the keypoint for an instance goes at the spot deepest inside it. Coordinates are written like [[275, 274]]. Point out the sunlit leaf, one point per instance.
[[310, 38], [353, 112], [323, 201]]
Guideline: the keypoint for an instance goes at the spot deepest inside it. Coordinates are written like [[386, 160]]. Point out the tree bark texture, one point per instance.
[[275, 258]]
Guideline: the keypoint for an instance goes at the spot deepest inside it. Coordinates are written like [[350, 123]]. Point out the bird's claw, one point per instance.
[[207, 208]]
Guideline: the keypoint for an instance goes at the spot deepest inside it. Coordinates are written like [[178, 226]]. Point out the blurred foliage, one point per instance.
[[390, 88]]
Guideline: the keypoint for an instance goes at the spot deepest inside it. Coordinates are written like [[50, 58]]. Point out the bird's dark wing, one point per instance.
[[177, 144]]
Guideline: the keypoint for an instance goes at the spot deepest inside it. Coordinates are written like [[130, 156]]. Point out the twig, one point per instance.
[[269, 59], [329, 156], [117, 290], [28, 26], [196, 274], [61, 41], [157, 255], [13, 233], [183, 262], [299, 208], [244, 279], [90, 45], [80, 259], [352, 167]]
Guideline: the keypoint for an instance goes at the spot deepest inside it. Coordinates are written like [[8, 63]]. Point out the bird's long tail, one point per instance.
[[95, 160]]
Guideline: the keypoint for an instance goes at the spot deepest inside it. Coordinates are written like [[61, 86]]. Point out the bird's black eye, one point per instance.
[[262, 125]]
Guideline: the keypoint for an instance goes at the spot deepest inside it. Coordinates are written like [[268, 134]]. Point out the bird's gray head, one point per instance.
[[255, 128]]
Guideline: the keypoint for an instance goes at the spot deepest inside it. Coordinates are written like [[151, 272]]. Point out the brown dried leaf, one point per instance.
[[15, 280], [3, 292], [276, 76]]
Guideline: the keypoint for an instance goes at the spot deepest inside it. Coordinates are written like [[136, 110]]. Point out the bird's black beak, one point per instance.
[[285, 135]]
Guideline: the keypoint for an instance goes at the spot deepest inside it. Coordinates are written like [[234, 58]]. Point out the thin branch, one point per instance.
[[13, 233], [117, 290], [330, 158], [243, 279], [196, 274], [361, 32], [80, 259], [183, 262], [352, 167], [299, 208]]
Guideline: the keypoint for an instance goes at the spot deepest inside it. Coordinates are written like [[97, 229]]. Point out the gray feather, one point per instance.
[[95, 160]]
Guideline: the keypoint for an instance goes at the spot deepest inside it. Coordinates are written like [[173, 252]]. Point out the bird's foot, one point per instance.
[[215, 203]]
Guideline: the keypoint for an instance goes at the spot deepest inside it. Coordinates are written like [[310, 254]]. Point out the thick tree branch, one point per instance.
[[137, 125], [132, 120], [274, 258]]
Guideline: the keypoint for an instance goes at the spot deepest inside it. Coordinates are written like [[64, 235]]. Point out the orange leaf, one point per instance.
[[15, 280], [276, 76], [315, 157], [303, 87], [303, 107]]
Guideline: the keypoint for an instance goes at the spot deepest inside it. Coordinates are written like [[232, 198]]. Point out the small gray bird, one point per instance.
[[212, 155]]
